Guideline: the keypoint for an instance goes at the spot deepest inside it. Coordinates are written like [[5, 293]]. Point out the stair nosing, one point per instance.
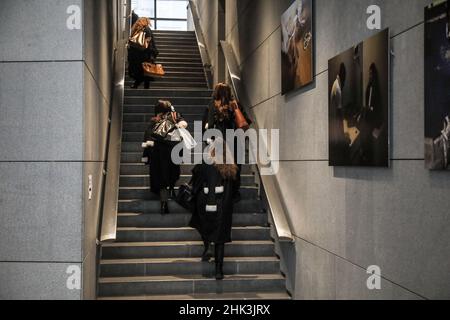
[[178, 243], [108, 262], [195, 278]]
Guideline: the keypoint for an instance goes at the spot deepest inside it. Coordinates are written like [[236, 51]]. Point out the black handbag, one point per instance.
[[165, 129], [185, 197]]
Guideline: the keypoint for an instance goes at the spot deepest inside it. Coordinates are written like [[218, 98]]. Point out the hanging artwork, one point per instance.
[[358, 86], [437, 87], [297, 46]]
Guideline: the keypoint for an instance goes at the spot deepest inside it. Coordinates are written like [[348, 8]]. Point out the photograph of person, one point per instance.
[[297, 46], [437, 87], [359, 104]]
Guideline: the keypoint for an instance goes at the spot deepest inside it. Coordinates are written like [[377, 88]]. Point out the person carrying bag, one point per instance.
[[159, 140]]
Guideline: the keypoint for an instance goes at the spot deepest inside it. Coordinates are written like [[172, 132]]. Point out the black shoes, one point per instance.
[[219, 271], [164, 208]]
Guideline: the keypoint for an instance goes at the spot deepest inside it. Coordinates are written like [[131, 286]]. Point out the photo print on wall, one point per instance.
[[297, 46], [437, 87], [358, 87]]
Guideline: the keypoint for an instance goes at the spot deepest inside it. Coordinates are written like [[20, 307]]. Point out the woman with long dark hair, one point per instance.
[[213, 202], [163, 172], [137, 56], [220, 115]]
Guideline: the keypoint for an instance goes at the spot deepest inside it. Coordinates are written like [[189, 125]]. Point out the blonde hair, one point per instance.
[[140, 25]]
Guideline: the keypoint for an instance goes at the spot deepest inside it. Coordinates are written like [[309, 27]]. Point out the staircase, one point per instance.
[[158, 257]]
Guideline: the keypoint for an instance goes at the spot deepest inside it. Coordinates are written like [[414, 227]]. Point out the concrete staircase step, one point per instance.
[[187, 266], [154, 207], [180, 220], [147, 117], [144, 180], [186, 234], [151, 101], [198, 109], [144, 193], [163, 33], [173, 78], [189, 285], [180, 47], [169, 53], [141, 169], [183, 249], [168, 93], [136, 137], [161, 84], [251, 296], [131, 157]]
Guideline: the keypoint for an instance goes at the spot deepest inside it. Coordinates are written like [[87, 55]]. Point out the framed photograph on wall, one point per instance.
[[437, 86], [297, 55], [358, 91]]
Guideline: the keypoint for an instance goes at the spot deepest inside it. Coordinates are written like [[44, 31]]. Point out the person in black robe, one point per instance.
[[138, 56], [220, 115], [164, 174], [213, 206]]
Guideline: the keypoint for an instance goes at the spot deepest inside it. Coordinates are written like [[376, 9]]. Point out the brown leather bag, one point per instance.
[[153, 70], [239, 119]]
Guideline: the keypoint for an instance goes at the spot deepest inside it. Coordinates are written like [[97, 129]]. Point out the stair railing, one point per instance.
[[108, 230], [269, 183], [206, 60]]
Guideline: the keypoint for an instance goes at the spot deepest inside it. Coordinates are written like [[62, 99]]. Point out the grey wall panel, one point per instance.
[[89, 268], [95, 116], [41, 120], [36, 30], [396, 219], [336, 35], [323, 275], [40, 205], [36, 281], [99, 42]]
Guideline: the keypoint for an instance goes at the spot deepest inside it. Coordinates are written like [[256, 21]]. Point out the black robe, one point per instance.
[[136, 57], [213, 226], [210, 118], [163, 172]]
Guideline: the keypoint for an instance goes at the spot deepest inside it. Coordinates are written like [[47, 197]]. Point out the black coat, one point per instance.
[[163, 172], [136, 57], [212, 226]]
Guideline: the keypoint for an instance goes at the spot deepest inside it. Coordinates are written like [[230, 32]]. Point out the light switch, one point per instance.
[[90, 187]]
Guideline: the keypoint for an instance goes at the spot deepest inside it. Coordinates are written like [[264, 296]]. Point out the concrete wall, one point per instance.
[[346, 219], [55, 86]]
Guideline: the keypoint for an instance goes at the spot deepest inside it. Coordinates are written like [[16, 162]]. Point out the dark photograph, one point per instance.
[[437, 87], [297, 46], [358, 87]]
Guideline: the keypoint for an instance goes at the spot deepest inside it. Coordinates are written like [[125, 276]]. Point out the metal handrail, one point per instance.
[[269, 183], [206, 60], [108, 231]]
